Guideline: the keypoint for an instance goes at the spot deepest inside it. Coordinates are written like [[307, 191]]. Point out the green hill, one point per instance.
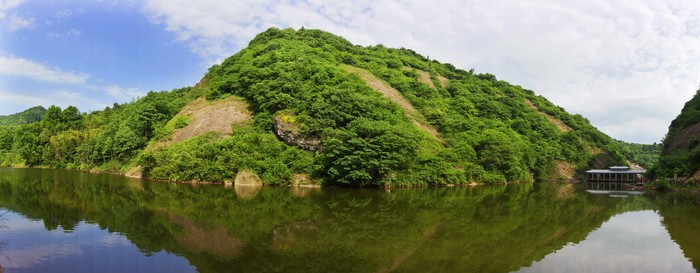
[[30, 115], [646, 155], [680, 152], [307, 106]]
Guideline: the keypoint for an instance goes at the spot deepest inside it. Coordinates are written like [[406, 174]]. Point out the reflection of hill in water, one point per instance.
[[681, 216], [215, 241], [634, 241], [477, 229]]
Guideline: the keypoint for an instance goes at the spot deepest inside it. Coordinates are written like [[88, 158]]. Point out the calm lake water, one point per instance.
[[67, 221]]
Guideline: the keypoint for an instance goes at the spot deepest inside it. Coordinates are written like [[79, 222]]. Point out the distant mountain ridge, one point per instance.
[[34, 114]]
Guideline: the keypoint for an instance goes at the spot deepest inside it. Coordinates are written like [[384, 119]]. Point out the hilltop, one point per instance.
[[30, 115], [309, 107], [680, 152]]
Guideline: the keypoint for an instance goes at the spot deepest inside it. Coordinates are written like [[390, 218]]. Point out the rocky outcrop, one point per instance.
[[287, 130]]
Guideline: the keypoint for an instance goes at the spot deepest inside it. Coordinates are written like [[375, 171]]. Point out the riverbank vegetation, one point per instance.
[[358, 116]]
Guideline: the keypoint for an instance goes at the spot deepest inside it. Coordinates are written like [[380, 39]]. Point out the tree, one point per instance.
[[51, 119], [27, 143], [368, 152], [126, 141], [71, 119], [6, 138]]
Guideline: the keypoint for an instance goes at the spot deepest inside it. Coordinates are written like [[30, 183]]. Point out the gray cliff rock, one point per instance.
[[287, 130]]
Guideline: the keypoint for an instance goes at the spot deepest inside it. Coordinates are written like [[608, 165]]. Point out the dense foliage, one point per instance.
[[488, 132], [466, 127], [646, 155], [107, 139], [209, 158], [30, 115], [680, 155]]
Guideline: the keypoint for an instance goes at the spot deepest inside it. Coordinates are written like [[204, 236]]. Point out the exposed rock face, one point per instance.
[[288, 131]]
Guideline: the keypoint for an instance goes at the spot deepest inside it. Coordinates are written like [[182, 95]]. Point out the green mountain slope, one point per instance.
[[30, 115], [680, 153], [311, 107], [646, 155], [487, 130]]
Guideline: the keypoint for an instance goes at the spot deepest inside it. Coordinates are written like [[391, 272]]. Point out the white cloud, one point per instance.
[[626, 65], [79, 91], [10, 100], [14, 102], [14, 66], [67, 13], [17, 22], [121, 93], [6, 5], [69, 33], [64, 13], [73, 32]]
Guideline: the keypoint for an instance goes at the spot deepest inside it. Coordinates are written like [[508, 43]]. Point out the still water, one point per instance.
[[67, 221]]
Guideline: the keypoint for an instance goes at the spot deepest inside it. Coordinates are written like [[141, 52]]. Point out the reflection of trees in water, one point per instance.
[[275, 229]]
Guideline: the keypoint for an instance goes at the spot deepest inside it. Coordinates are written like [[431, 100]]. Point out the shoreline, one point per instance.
[[93, 171]]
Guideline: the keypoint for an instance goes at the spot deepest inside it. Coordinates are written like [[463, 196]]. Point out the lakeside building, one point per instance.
[[615, 174]]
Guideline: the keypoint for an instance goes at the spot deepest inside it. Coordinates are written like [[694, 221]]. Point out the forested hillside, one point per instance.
[[680, 153], [30, 115], [307, 106], [646, 155]]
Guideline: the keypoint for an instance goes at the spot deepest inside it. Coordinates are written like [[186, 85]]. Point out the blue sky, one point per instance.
[[93, 54], [628, 65]]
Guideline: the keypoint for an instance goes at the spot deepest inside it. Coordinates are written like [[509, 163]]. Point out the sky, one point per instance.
[[626, 65]]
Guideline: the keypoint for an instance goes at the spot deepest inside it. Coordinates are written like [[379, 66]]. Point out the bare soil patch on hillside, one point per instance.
[[634, 165], [565, 170], [392, 94], [424, 77], [384, 88], [558, 123], [443, 80], [430, 129], [208, 116]]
